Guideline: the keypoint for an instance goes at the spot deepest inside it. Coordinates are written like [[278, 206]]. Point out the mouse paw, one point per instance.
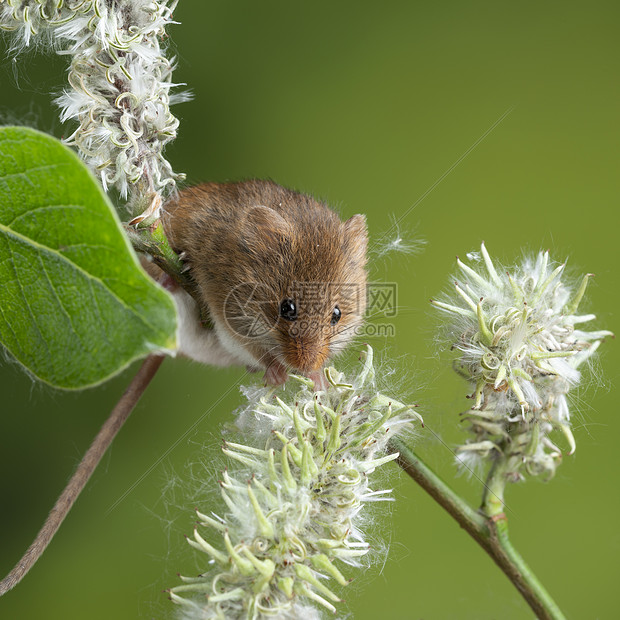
[[320, 380], [276, 374], [168, 283]]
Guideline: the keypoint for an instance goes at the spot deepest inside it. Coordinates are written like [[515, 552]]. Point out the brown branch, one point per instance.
[[87, 466]]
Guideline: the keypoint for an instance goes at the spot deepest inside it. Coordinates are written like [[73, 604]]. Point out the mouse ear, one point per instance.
[[356, 237], [265, 229]]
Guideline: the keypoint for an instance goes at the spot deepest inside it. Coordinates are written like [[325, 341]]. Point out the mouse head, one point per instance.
[[306, 294]]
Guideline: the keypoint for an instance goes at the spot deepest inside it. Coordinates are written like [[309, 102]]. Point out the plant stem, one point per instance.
[[151, 241], [490, 533], [84, 471], [493, 494]]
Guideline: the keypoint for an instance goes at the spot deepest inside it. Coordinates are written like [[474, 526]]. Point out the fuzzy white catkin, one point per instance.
[[120, 81], [294, 500], [518, 344]]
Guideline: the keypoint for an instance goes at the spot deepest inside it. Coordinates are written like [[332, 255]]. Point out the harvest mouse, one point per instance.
[[281, 277]]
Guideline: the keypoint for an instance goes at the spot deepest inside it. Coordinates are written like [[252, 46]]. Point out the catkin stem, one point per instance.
[[84, 471], [493, 495], [490, 533]]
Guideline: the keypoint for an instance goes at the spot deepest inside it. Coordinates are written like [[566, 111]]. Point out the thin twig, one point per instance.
[[491, 534], [84, 471], [151, 241]]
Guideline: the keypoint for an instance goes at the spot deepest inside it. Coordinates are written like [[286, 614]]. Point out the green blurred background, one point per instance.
[[376, 107]]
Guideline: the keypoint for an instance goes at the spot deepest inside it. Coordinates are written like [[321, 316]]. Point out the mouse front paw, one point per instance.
[[275, 374], [320, 380]]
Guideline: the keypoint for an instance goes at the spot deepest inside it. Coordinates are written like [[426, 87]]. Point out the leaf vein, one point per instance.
[[64, 310], [6, 322], [23, 294], [45, 249], [25, 171], [103, 333], [41, 208]]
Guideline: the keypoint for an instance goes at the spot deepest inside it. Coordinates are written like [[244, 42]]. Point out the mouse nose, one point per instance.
[[307, 356]]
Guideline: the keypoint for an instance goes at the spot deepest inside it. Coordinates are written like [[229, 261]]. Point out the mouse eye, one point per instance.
[[288, 310], [336, 314]]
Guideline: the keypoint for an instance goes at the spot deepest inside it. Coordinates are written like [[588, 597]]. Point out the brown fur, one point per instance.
[[251, 244]]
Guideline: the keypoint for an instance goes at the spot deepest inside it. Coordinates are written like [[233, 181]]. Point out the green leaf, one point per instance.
[[75, 306]]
